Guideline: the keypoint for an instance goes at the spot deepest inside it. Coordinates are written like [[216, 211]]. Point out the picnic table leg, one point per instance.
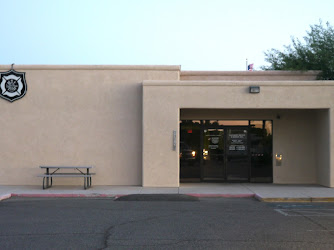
[[88, 180], [48, 179], [47, 182], [44, 187]]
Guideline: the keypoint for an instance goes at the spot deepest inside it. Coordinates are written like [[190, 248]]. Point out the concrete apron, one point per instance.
[[261, 192]]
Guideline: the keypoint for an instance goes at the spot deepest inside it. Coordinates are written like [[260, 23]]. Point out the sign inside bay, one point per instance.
[[236, 136], [237, 142]]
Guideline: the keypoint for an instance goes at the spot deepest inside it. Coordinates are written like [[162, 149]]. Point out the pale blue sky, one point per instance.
[[198, 35]]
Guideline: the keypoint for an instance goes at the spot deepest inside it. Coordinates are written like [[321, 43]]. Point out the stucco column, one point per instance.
[[324, 147], [160, 159], [331, 149]]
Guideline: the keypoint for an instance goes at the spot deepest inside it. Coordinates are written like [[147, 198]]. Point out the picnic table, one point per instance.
[[55, 171]]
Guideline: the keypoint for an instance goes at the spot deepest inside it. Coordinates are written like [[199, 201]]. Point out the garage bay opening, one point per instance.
[[226, 151]]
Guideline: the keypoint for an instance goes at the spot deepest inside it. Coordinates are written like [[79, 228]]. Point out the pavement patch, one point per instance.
[[157, 197]]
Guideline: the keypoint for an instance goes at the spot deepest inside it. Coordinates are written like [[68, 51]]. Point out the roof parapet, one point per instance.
[[93, 67], [249, 75]]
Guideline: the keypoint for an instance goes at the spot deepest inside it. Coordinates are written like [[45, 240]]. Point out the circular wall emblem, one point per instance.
[[13, 85]]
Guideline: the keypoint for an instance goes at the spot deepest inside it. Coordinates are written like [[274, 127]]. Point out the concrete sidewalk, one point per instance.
[[263, 192]]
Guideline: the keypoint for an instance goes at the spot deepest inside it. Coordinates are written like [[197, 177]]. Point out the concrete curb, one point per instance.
[[287, 199], [294, 199], [323, 199], [5, 196], [114, 196], [64, 195], [222, 195], [283, 199], [120, 195]]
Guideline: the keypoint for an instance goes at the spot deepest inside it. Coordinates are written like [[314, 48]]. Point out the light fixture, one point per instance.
[[278, 158], [254, 89]]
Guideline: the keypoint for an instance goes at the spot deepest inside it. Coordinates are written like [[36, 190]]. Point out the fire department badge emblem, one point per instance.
[[13, 85]]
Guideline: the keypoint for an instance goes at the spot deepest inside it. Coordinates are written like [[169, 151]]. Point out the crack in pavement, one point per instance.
[[109, 231], [331, 232]]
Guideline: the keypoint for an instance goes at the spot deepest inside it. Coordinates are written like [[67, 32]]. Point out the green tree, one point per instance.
[[316, 53]]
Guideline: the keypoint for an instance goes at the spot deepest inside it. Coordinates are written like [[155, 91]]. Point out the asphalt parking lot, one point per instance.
[[155, 223]]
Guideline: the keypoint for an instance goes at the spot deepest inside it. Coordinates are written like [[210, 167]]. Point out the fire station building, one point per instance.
[[159, 126]]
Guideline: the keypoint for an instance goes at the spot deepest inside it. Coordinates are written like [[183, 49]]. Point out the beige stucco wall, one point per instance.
[[77, 115], [294, 133], [120, 119]]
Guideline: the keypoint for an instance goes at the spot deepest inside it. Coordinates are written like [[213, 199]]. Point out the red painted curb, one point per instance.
[[63, 195]]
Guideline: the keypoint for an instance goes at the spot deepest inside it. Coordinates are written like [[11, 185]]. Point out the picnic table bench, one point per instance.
[[80, 171]]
